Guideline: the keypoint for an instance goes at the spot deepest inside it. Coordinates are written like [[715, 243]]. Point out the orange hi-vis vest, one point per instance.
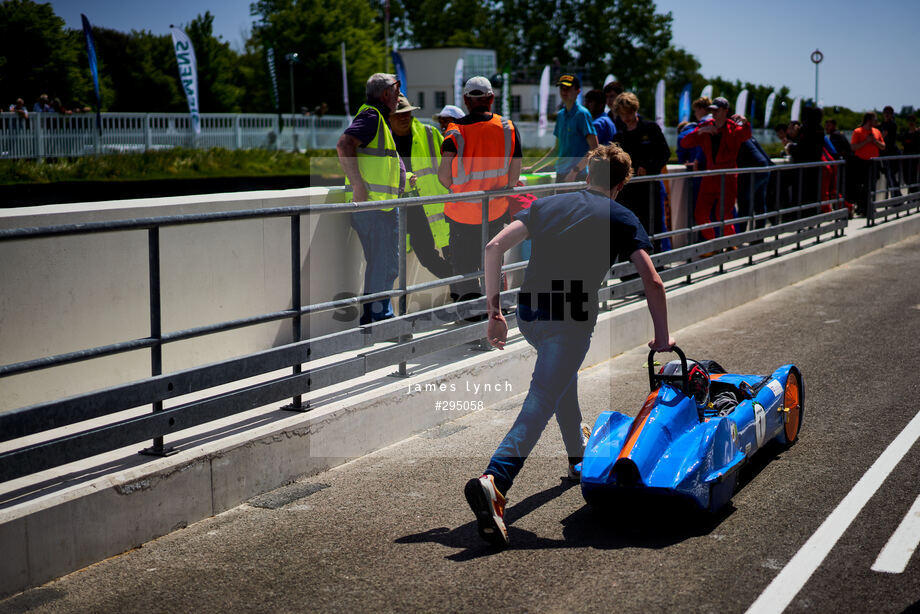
[[483, 161]]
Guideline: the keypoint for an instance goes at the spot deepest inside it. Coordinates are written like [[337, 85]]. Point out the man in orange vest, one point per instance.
[[481, 151]]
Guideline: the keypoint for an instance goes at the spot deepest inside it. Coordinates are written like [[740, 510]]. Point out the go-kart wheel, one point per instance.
[[793, 408]]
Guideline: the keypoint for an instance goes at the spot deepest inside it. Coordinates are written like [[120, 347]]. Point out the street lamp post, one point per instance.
[[816, 57], [292, 58]]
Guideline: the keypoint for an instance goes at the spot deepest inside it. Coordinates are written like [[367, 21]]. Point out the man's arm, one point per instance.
[[347, 148], [510, 236], [694, 138], [514, 172], [445, 175], [655, 297], [591, 140]]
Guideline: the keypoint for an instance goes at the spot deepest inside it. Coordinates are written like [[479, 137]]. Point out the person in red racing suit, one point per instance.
[[719, 140]]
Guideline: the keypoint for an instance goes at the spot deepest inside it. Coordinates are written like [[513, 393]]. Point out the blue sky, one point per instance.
[[870, 51]]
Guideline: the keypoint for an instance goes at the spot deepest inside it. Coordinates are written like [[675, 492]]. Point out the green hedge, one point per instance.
[[168, 164]]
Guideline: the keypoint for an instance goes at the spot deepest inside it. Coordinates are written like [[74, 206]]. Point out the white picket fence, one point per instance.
[[50, 135]]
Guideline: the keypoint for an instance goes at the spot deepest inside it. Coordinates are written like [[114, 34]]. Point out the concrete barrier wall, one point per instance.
[[72, 293], [51, 535]]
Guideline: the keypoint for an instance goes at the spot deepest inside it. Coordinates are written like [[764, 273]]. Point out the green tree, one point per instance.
[[219, 89], [39, 56], [315, 29], [141, 67], [626, 38]]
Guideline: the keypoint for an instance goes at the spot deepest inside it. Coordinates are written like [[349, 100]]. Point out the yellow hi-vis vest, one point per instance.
[[426, 157], [378, 163]]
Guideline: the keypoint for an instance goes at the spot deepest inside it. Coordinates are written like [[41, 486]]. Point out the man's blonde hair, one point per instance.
[[609, 166], [626, 101]]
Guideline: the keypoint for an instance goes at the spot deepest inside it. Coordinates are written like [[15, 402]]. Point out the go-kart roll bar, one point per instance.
[[684, 378]]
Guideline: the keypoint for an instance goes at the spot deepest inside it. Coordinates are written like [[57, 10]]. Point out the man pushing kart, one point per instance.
[[576, 238]]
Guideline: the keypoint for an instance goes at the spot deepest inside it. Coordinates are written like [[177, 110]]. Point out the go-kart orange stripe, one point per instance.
[[638, 424]]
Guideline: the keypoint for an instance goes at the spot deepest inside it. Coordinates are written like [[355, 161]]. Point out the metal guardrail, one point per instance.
[[790, 224], [900, 173]]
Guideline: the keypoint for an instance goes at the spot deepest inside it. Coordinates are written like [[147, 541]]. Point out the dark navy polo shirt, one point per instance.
[[576, 238]]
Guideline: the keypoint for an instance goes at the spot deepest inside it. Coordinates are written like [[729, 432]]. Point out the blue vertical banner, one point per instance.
[[188, 73], [93, 68], [400, 73], [683, 106]]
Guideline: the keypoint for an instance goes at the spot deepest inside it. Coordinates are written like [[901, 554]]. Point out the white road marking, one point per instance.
[[897, 552], [787, 584]]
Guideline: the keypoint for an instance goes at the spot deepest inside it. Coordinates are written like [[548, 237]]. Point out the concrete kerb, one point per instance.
[[55, 534]]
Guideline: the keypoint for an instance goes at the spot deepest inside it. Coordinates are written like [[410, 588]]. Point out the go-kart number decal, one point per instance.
[[776, 387], [760, 423]]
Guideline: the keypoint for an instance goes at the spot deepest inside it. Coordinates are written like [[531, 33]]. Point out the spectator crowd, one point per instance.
[[386, 153]]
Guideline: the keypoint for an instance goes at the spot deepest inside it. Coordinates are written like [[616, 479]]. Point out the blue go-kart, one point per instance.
[[695, 431]]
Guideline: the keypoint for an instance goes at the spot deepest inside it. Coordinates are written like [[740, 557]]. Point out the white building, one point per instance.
[[430, 74], [430, 80]]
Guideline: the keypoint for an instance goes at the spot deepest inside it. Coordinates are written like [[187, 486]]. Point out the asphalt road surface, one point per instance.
[[392, 531]]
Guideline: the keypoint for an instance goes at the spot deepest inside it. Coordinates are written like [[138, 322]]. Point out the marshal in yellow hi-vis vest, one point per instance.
[[426, 157], [378, 163]]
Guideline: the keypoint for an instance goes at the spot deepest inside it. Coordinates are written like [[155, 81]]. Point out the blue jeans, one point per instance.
[[378, 232], [561, 348]]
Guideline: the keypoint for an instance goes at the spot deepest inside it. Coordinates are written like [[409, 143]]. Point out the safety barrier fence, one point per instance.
[[51, 135], [790, 225], [901, 175]]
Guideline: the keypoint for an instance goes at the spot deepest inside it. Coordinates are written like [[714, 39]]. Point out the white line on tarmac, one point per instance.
[[897, 552], [785, 586]]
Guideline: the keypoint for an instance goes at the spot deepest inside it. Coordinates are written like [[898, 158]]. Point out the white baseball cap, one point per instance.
[[477, 87], [451, 111]]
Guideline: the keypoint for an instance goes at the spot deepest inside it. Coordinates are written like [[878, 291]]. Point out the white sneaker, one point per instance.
[[575, 468], [489, 506]]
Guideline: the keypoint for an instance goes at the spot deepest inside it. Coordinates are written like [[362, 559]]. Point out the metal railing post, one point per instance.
[[870, 194], [156, 333], [722, 210], [777, 205], [483, 239], [39, 134], [403, 225], [753, 206], [691, 205], [296, 302]]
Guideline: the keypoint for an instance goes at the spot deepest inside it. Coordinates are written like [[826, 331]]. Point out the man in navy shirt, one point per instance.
[[576, 239]]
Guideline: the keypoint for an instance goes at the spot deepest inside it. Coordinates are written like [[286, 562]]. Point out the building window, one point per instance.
[[478, 63], [421, 100], [440, 99], [515, 104]]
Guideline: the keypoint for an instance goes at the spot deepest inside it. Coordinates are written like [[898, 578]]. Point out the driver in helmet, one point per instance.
[[699, 380]]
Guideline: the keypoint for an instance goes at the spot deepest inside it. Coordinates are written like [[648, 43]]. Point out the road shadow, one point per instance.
[[638, 525], [30, 599]]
